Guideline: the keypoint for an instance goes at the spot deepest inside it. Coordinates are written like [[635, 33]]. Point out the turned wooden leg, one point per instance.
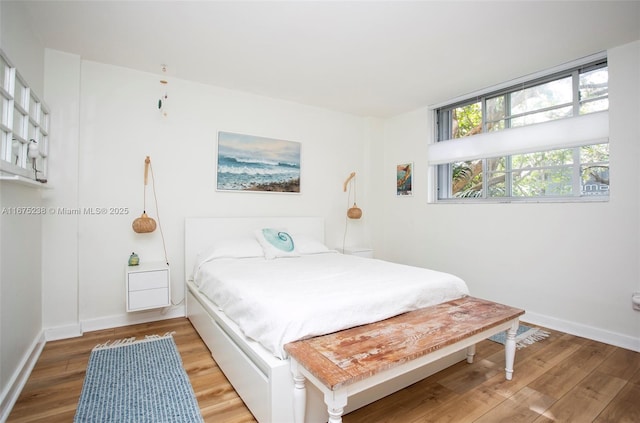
[[336, 401], [471, 352], [510, 349], [299, 393]]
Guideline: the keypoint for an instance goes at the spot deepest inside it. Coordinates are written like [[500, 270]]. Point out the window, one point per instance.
[[542, 139], [24, 126]]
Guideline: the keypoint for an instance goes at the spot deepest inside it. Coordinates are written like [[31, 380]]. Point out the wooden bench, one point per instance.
[[344, 363]]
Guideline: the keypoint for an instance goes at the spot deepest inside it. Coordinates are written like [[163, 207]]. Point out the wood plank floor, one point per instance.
[[561, 379]]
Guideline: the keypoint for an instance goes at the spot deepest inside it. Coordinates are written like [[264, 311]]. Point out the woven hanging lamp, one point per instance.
[[354, 212], [144, 223]]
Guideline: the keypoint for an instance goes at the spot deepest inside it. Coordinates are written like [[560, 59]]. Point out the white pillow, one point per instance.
[[243, 247], [307, 245], [276, 243]]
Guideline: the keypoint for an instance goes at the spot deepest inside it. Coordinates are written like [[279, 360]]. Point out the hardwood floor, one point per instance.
[[561, 379], [53, 389]]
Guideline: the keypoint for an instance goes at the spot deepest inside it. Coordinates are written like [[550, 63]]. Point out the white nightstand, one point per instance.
[[148, 286], [359, 251]]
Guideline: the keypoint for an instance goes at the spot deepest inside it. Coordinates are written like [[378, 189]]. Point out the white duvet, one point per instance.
[[275, 302]]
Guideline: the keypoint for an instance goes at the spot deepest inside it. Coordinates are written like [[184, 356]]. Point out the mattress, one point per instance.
[[282, 300]]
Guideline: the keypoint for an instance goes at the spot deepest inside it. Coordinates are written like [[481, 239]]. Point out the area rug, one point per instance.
[[524, 336], [137, 381]]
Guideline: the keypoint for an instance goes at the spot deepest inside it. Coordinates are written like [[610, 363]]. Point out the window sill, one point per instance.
[[587, 199], [21, 180]]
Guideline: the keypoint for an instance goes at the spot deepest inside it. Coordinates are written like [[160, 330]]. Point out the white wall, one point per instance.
[[20, 248], [20, 289], [60, 237], [572, 266], [119, 125]]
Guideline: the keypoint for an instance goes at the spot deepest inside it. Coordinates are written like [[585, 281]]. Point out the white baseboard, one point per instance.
[[19, 378], [63, 332], [133, 318], [590, 332]]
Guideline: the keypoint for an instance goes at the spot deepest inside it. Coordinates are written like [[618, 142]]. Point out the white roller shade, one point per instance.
[[563, 133]]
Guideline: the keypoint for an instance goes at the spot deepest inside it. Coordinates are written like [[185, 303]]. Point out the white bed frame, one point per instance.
[[264, 382]]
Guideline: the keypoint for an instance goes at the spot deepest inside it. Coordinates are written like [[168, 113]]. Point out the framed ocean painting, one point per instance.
[[404, 179], [257, 164]]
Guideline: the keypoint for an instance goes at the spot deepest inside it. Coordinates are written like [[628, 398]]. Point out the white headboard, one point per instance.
[[199, 232]]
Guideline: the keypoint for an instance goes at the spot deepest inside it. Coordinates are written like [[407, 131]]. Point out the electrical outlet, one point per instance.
[[635, 300]]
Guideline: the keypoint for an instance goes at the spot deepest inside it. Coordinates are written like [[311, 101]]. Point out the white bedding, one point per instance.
[[279, 301]]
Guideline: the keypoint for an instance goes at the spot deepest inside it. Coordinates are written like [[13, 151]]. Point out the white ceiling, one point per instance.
[[365, 58]]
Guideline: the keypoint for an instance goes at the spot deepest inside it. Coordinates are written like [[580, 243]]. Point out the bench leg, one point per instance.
[[336, 401], [510, 349], [299, 393], [471, 352]]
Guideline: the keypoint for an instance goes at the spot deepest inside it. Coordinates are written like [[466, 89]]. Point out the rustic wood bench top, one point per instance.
[[342, 358]]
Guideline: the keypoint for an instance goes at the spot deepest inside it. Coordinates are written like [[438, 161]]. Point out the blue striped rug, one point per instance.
[[137, 381]]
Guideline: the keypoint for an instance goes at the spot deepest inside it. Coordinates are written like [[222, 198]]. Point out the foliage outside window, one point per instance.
[[578, 172], [24, 126]]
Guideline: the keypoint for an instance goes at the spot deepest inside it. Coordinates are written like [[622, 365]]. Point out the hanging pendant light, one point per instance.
[[144, 223], [354, 212]]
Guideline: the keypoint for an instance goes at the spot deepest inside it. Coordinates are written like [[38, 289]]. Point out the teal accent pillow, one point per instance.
[[276, 243], [279, 239]]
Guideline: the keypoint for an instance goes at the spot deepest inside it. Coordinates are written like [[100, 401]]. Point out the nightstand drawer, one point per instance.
[[148, 286], [149, 298], [148, 280]]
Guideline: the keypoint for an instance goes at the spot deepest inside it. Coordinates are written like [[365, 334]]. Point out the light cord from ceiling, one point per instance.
[[353, 212], [164, 245], [155, 198], [346, 219]]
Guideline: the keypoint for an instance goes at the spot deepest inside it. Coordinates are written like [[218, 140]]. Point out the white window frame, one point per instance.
[[24, 120], [582, 130]]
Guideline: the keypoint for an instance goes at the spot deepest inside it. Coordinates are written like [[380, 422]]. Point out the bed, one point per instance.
[[253, 358]]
